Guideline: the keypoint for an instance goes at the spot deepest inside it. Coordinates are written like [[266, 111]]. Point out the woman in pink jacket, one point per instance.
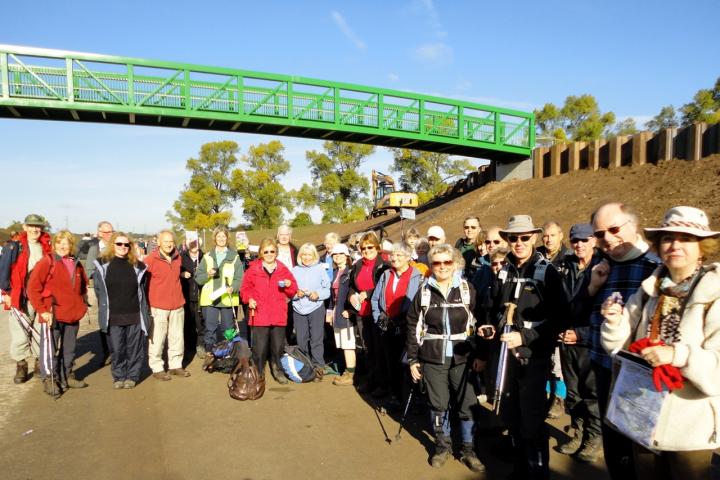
[[268, 286]]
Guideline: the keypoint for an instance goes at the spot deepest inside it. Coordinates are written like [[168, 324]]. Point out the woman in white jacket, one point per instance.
[[677, 305]]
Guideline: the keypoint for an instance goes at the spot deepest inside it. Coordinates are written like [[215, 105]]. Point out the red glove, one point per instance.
[[662, 374]]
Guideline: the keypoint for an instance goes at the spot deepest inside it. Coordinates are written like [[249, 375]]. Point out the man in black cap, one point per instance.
[[18, 259], [535, 287], [581, 400]]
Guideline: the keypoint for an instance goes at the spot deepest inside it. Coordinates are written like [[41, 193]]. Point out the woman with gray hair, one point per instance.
[[390, 302]]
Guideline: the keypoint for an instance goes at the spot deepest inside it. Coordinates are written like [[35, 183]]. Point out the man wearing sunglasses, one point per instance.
[[628, 262], [534, 285], [467, 244], [581, 401]]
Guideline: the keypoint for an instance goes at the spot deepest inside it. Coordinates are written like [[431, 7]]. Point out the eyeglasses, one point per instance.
[[490, 242], [613, 230], [268, 251], [447, 263], [122, 244], [109, 231], [367, 247], [523, 238], [498, 264], [470, 227], [579, 240]]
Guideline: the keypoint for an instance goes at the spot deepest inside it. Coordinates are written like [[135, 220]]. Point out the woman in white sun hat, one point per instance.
[[673, 322]]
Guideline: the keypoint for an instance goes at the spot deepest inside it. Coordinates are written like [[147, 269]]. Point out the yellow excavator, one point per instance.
[[386, 198]]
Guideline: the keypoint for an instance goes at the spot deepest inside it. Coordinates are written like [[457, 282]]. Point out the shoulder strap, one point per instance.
[[465, 292], [541, 267]]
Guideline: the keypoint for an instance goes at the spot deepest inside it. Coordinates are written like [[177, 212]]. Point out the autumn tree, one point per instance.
[[259, 187], [427, 173], [338, 188], [206, 200]]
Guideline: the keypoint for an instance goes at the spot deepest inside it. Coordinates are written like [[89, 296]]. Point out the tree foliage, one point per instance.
[[704, 107], [427, 173], [626, 127], [206, 199], [667, 118], [302, 219], [338, 188], [259, 187], [579, 119]]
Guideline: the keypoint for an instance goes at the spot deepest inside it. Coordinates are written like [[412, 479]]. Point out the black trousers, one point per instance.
[[128, 346], [617, 448], [582, 398], [62, 356], [446, 382], [264, 339], [194, 326], [371, 339], [393, 343]]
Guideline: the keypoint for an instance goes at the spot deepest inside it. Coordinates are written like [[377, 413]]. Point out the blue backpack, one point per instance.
[[296, 365]]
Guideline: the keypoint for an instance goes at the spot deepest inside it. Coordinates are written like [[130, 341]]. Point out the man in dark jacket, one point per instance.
[[581, 400], [194, 324], [532, 284]]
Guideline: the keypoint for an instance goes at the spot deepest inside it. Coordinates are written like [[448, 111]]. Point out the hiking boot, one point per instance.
[[118, 385], [129, 384], [278, 375], [470, 459], [179, 372], [51, 388], [441, 453], [319, 373], [572, 445], [590, 450], [161, 376], [209, 359], [557, 408], [73, 382], [21, 374], [344, 380]]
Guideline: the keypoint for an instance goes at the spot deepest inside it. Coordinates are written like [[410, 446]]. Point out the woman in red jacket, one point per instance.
[[57, 290], [268, 286]]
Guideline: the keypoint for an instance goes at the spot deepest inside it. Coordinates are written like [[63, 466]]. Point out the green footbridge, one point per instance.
[[43, 84]]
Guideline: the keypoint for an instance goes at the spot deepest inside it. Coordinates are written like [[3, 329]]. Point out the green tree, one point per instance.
[[626, 127], [338, 188], [583, 120], [206, 200], [301, 220], [427, 173], [704, 107], [667, 118], [550, 125], [259, 187]]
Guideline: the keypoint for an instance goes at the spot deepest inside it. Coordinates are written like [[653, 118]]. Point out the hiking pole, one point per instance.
[[377, 415], [502, 361], [27, 327], [405, 412]]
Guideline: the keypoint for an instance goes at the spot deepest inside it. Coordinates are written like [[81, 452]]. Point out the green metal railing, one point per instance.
[[52, 81]]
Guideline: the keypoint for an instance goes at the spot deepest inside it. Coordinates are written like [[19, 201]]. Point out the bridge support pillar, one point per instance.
[[695, 140], [666, 139], [538, 155], [574, 156], [616, 144], [555, 159], [594, 154], [639, 148]]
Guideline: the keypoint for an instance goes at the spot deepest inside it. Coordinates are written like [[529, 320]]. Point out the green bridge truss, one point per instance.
[[47, 84]]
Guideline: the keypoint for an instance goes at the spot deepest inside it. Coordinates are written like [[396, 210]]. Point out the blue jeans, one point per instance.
[[310, 331], [214, 318]]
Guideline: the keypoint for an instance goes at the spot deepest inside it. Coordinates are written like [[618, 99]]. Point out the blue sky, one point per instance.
[[633, 56]]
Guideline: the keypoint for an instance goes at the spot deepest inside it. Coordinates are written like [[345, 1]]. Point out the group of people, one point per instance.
[[492, 307]]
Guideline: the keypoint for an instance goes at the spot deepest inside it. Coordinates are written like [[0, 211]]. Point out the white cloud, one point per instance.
[[347, 30], [427, 8], [434, 53], [393, 77]]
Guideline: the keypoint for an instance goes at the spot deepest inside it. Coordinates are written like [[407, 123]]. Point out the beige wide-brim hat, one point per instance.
[[519, 224], [681, 219]]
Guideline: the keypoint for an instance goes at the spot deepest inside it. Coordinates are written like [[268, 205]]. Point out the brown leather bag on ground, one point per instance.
[[245, 381]]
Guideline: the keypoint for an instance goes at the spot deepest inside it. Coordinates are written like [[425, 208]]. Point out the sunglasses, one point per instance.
[[368, 247], [497, 264], [470, 227], [613, 230], [268, 251], [580, 240], [523, 238], [122, 244], [447, 263], [490, 242]]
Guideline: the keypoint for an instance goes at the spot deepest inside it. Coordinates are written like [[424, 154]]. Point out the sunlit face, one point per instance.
[[329, 244], [399, 261], [680, 251], [432, 241], [33, 232], [583, 247], [615, 231], [368, 251], [166, 242], [307, 258], [412, 241], [443, 266], [522, 244], [283, 236], [422, 248], [105, 231], [62, 247], [552, 238], [471, 229], [221, 240], [268, 254], [121, 247], [339, 259], [493, 241]]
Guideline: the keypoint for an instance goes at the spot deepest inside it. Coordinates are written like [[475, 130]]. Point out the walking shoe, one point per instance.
[[319, 372], [590, 450], [441, 453], [129, 384], [118, 384], [73, 382], [557, 408], [161, 376], [209, 359], [344, 380], [179, 372], [572, 445], [21, 374], [470, 459], [51, 388], [278, 375]]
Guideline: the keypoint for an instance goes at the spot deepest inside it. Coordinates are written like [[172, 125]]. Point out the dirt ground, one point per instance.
[[190, 428]]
